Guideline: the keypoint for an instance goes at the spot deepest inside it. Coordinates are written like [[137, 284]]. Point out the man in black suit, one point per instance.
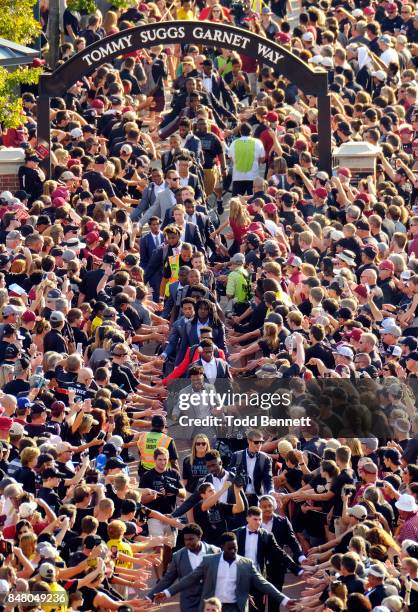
[[376, 590], [215, 85], [257, 467], [202, 221], [151, 241], [261, 547]]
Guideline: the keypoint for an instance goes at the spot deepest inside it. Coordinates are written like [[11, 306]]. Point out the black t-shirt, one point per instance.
[[211, 147], [213, 521], [98, 181], [345, 477], [14, 387], [54, 341], [51, 498], [27, 478], [30, 181], [157, 481], [193, 472], [89, 284]]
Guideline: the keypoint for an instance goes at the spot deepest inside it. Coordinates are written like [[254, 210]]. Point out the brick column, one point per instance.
[[10, 161]]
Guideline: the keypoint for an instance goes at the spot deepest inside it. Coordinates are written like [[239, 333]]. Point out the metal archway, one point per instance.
[[310, 81]]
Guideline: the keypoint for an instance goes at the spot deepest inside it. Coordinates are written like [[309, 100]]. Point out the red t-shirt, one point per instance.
[[9, 532]]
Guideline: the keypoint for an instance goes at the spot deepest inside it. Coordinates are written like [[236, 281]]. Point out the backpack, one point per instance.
[[247, 287]]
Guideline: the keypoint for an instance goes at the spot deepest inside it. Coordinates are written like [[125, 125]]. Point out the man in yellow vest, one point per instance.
[[148, 441]]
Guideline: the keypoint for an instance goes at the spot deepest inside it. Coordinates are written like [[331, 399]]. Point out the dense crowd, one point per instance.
[[187, 243]]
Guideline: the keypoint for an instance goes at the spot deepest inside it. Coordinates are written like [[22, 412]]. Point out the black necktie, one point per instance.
[[251, 455], [253, 532]]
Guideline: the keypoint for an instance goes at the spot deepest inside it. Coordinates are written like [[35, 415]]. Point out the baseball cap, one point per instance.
[[76, 133], [391, 7], [57, 317], [370, 251], [321, 192], [359, 512], [97, 104], [57, 408], [368, 11], [294, 260], [379, 74], [344, 171], [92, 237], [387, 264], [11, 351], [308, 36], [17, 429], [51, 473], [269, 208], [361, 290], [385, 39], [272, 116], [27, 509], [322, 176], [38, 408], [67, 175], [115, 463], [12, 309], [355, 334], [394, 330], [344, 351], [271, 247], [376, 570]]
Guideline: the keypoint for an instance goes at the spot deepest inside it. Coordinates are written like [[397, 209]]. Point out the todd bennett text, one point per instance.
[[260, 420]]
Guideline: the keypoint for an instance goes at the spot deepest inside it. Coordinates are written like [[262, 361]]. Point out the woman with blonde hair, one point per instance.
[[50, 186], [6, 374], [27, 544], [110, 22], [268, 344], [194, 465], [42, 327], [239, 220]]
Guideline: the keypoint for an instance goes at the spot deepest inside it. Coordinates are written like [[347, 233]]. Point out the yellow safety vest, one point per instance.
[[147, 443], [174, 261]]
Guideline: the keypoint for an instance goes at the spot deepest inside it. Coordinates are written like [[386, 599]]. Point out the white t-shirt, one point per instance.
[[255, 170]]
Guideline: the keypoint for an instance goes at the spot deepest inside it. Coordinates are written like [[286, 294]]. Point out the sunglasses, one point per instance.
[[258, 441], [201, 444]]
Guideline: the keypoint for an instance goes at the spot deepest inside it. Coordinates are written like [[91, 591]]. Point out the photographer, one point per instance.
[[211, 514]]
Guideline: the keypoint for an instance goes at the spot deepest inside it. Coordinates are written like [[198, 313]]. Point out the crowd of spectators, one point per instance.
[[187, 240]]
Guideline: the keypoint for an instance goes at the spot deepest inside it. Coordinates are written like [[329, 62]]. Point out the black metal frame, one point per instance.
[[310, 81]]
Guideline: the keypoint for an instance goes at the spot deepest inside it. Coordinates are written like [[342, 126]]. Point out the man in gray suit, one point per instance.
[[165, 200], [229, 577], [184, 562]]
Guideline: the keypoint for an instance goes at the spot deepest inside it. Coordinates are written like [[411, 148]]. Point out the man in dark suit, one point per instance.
[[376, 590], [176, 292], [281, 528], [174, 339], [183, 563], [261, 547], [202, 221], [229, 577], [189, 140], [214, 84], [151, 241], [257, 467], [154, 269], [216, 370], [189, 231]]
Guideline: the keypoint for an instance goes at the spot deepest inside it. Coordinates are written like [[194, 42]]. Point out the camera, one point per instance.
[[170, 485], [348, 490]]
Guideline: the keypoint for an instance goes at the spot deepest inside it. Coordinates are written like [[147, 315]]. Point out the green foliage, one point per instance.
[[10, 104], [122, 4], [17, 21], [82, 6]]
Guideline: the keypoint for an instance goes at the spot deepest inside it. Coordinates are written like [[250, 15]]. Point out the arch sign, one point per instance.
[[310, 81]]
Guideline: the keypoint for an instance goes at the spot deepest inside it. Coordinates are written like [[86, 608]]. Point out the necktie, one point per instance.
[[253, 532], [157, 241]]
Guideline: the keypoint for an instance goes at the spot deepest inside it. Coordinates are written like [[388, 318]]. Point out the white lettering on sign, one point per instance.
[[162, 34], [105, 50], [223, 38], [269, 54]]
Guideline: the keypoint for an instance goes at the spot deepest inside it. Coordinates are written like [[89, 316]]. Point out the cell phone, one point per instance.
[[380, 484], [101, 435], [39, 370], [5, 547]]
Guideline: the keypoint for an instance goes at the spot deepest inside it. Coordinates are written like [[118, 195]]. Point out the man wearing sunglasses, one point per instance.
[[256, 466]]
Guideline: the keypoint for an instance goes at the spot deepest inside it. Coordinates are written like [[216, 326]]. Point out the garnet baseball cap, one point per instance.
[[361, 290], [321, 192], [387, 264], [28, 316], [344, 171]]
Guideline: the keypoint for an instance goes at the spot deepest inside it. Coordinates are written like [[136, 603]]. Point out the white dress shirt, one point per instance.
[[200, 325], [250, 473], [207, 83], [251, 544], [196, 559], [226, 581], [210, 370], [192, 218], [218, 484]]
